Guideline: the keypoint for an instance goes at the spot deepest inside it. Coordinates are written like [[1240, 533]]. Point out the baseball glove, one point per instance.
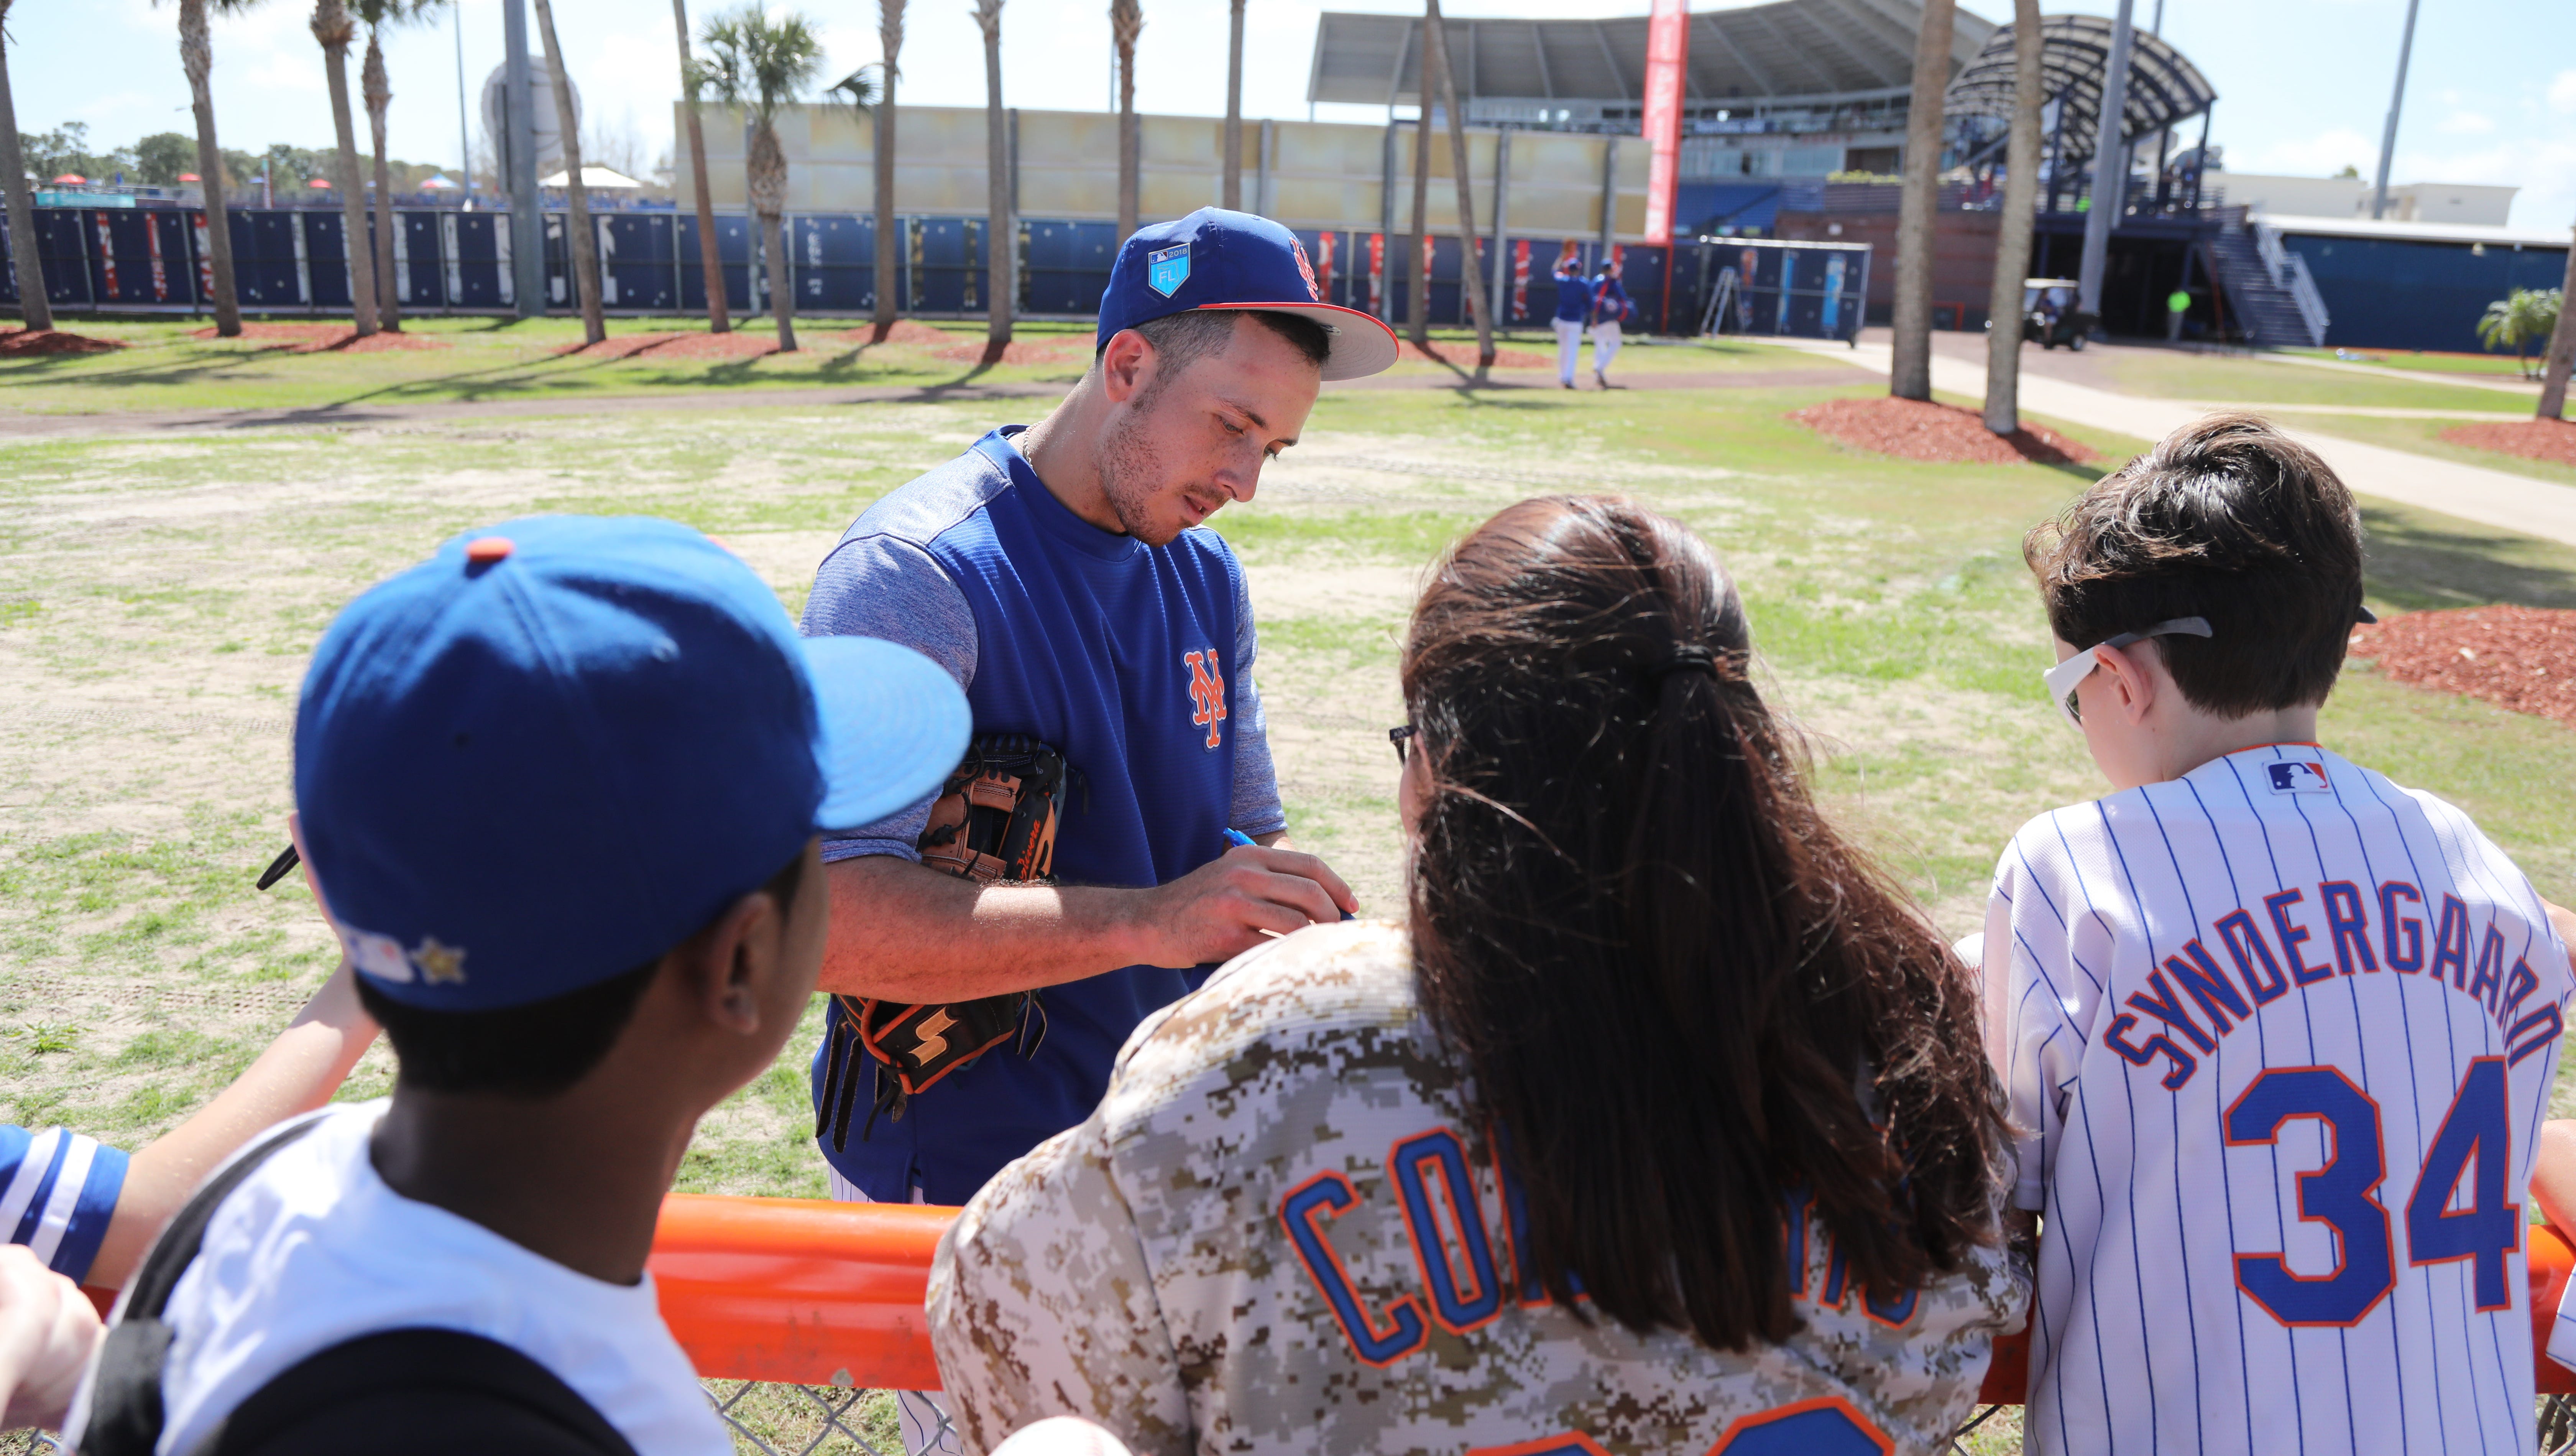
[[994, 820]]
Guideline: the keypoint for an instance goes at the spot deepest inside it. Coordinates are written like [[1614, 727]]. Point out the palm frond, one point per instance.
[[857, 91], [757, 62]]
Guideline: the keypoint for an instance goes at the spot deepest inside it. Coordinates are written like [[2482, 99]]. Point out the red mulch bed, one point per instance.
[[1914, 429], [1463, 356], [329, 338], [1018, 351], [2522, 658], [740, 344], [20, 344], [2553, 440]]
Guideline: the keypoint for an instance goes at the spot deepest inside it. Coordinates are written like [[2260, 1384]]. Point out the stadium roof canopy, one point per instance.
[[2165, 88], [1786, 48]]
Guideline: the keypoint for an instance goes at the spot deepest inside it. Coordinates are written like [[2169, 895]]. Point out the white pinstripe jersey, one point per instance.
[[2277, 1038]]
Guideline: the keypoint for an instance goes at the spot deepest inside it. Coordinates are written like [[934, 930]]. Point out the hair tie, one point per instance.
[[1688, 657]]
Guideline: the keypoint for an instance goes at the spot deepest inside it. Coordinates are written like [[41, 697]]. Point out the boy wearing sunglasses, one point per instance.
[[2277, 1033]]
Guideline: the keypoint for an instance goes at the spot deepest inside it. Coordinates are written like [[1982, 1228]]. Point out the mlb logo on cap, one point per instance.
[[2304, 777], [1219, 259], [1166, 269]]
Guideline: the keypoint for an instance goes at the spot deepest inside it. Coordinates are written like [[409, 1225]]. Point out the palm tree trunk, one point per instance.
[[1417, 260], [1125, 20], [767, 185], [2562, 348], [2012, 241], [585, 241], [197, 57], [332, 28], [1435, 51], [1002, 230], [890, 35], [379, 94], [1234, 113], [1911, 375], [33, 306], [710, 261]]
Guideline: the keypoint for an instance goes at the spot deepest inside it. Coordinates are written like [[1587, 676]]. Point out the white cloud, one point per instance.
[[2562, 92], [2465, 123]]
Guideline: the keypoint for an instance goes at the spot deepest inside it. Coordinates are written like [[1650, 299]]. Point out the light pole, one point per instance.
[[2110, 168], [2396, 99], [527, 225]]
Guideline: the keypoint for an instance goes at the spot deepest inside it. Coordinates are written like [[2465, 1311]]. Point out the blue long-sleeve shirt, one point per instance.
[[1573, 297]]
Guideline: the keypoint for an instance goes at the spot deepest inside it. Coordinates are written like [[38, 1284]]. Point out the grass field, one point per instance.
[[159, 598], [2500, 365], [2256, 381]]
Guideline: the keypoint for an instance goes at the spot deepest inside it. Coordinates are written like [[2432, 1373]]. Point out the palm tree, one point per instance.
[[197, 58], [1002, 234], [2520, 319], [379, 95], [755, 64], [1419, 305], [2012, 245], [33, 306], [1435, 52], [1234, 112], [1125, 20], [334, 30], [585, 241], [2562, 351], [1910, 375], [710, 261], [890, 35]]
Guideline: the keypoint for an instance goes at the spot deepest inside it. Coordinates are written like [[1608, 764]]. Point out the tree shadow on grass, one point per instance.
[[2420, 562]]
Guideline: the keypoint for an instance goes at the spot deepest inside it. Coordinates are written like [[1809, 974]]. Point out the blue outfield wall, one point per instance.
[[294, 261], [2387, 293]]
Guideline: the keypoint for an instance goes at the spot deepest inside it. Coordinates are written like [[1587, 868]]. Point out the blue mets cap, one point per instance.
[[1219, 259], [565, 744]]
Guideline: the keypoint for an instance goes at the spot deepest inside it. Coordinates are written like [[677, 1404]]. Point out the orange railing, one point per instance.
[[830, 1294]]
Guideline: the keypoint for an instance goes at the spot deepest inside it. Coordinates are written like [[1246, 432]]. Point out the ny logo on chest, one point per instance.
[[1207, 693]]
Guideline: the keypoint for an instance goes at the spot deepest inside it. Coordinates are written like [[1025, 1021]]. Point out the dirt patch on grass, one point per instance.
[[1914, 429], [330, 338], [2522, 658], [20, 344], [740, 344], [2552, 440], [906, 331], [1463, 356]]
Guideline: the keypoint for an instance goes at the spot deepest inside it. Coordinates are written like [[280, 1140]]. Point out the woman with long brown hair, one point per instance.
[[1665, 1125]]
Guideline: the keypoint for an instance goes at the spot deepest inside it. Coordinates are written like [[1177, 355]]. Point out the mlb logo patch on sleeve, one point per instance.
[[1166, 269], [2303, 777]]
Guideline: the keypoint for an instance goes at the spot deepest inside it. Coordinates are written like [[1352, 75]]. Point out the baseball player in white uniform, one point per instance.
[[2277, 1033]]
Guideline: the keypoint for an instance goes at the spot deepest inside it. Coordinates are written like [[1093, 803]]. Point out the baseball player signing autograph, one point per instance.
[[1063, 574], [1661, 1127], [2277, 1033]]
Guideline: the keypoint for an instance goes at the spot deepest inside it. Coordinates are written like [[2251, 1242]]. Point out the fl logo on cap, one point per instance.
[[1166, 269]]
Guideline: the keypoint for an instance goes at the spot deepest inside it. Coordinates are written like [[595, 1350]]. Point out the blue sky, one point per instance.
[[2303, 84]]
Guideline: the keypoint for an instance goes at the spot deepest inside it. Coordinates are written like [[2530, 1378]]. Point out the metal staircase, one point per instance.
[[2271, 300]]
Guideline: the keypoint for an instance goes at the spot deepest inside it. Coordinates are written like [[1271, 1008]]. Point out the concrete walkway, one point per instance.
[[2471, 492]]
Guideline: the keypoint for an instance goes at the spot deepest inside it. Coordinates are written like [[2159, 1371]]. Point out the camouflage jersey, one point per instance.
[[1282, 1231]]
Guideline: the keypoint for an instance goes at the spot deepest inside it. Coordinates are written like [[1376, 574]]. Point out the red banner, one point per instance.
[[1667, 50], [160, 270], [107, 254], [205, 261], [1377, 272], [1324, 264], [1520, 278]]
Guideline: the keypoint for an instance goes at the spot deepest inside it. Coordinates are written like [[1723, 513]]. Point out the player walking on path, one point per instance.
[[1664, 1129], [1608, 308], [1061, 574], [2281, 1031]]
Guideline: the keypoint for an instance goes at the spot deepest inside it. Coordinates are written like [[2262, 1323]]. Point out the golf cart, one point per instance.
[[2049, 315]]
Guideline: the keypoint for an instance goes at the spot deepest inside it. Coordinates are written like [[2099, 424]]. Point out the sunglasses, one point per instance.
[[2064, 678], [1399, 737]]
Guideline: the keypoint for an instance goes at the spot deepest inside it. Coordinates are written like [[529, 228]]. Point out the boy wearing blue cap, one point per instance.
[[561, 788], [1063, 575]]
